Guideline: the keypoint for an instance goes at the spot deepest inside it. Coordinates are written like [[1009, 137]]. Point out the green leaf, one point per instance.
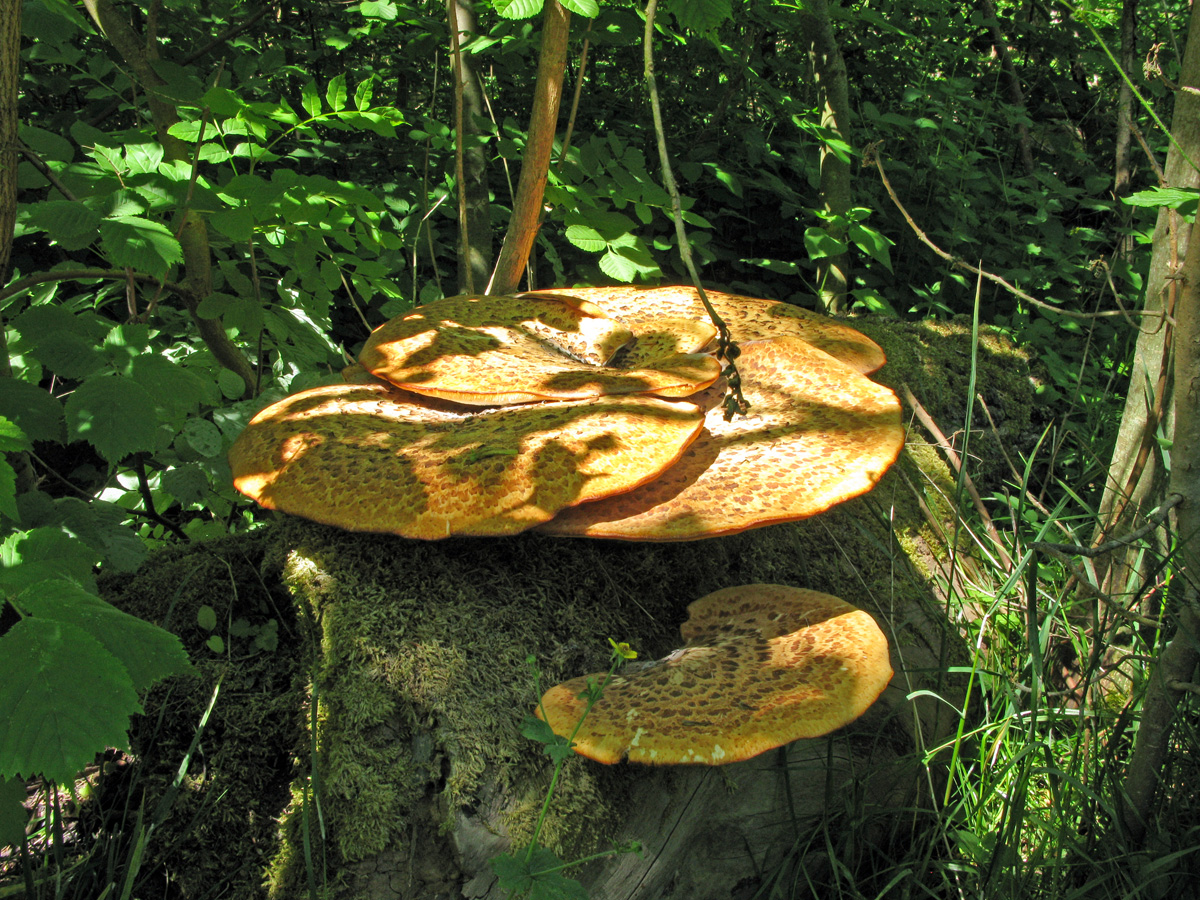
[[1173, 198], [101, 525], [63, 698], [335, 93], [147, 652], [68, 223], [310, 99], [13, 815], [588, 8], [700, 16], [206, 617], [618, 267], [116, 415], [188, 484], [820, 243], [140, 244], [871, 242], [537, 730], [143, 157], [28, 557], [362, 95], [12, 438], [203, 436], [173, 388], [378, 9], [237, 224], [518, 9], [585, 237]]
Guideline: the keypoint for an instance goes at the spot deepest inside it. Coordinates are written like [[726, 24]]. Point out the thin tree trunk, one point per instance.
[[10, 67], [193, 230], [1016, 96], [543, 122], [1176, 666], [1123, 173], [1134, 479], [475, 267], [833, 98]]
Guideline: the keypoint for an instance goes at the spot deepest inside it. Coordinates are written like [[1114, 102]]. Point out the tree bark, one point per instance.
[[1130, 489], [1016, 96], [1177, 664], [535, 166], [1124, 137], [193, 229], [833, 98], [475, 265]]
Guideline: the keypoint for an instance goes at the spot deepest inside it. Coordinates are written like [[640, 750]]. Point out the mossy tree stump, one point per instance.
[[414, 655]]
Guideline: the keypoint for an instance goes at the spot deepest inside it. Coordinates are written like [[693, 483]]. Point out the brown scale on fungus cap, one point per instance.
[[368, 457], [817, 433], [520, 349], [748, 318], [763, 665]]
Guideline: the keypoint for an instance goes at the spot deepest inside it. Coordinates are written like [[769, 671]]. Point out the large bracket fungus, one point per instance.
[[498, 414], [763, 665]]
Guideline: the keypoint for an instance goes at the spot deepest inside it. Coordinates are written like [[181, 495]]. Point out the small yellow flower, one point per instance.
[[622, 650]]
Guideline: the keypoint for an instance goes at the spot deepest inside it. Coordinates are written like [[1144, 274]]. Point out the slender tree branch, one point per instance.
[[539, 145], [29, 281], [735, 403], [464, 237], [871, 155]]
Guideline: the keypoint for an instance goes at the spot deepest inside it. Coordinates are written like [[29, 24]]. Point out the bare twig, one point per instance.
[[735, 403], [871, 155], [1153, 520], [956, 463]]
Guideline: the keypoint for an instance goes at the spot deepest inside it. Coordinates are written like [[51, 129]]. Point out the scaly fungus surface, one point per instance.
[[371, 458], [817, 433], [763, 665]]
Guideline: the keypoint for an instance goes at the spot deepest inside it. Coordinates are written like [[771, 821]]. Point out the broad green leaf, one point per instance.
[[237, 224], [231, 385], [310, 99], [1173, 198], [206, 617], [140, 244], [335, 93], [378, 9], [782, 266], [588, 8], [172, 387], [203, 436], [125, 343], [47, 144], [362, 95], [143, 157], [68, 223], [63, 698], [820, 243], [69, 354], [872, 243], [518, 9], [33, 410], [700, 16], [102, 527], [616, 266], [116, 415], [586, 238], [147, 652], [187, 484], [28, 557]]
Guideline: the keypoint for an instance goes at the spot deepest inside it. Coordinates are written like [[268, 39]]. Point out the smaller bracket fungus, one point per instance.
[[367, 457], [490, 351], [764, 665]]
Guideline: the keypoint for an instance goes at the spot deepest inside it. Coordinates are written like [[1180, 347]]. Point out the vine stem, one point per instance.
[[727, 350]]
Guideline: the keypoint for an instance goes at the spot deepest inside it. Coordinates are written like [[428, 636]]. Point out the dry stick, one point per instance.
[[539, 146], [735, 403], [871, 155], [1082, 577], [1153, 520], [464, 239], [583, 61], [931, 426]]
